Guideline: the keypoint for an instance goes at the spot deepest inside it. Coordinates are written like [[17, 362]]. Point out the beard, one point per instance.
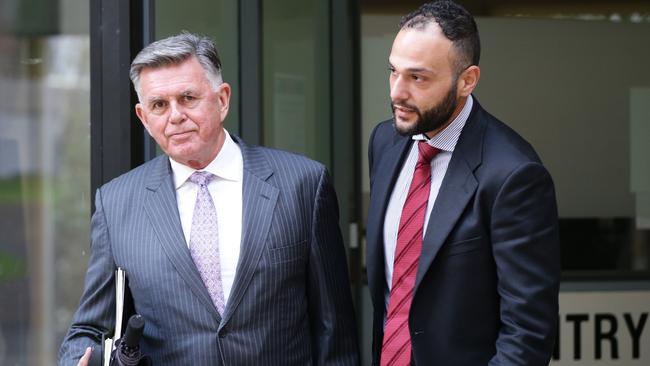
[[429, 120]]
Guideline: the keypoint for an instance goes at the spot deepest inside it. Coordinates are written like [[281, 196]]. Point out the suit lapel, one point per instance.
[[259, 200], [386, 174], [162, 210], [458, 187]]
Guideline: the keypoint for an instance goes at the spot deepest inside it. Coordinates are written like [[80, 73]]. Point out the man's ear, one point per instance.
[[223, 94], [139, 111], [467, 80]]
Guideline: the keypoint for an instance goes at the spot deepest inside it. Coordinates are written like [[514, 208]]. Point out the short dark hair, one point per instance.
[[457, 25], [175, 50]]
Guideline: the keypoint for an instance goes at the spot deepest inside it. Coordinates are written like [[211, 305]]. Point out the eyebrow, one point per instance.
[[188, 91], [151, 100], [419, 69], [185, 92], [414, 69]]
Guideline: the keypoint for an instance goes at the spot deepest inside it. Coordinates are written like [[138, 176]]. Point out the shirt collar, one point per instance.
[[446, 139], [228, 164]]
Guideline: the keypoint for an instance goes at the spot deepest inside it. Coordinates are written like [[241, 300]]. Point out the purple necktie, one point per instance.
[[204, 239]]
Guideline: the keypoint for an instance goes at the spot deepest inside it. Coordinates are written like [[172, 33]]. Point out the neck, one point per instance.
[[459, 107]]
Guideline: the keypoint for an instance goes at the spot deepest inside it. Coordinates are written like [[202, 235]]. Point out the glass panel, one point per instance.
[[296, 92], [571, 79], [582, 83], [44, 174], [216, 19]]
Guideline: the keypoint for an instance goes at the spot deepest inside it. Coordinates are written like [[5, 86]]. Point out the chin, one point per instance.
[[403, 127], [183, 155]]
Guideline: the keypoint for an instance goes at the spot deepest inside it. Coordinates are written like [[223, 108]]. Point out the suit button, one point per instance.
[[222, 334]]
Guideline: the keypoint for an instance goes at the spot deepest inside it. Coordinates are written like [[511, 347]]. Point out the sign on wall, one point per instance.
[[604, 328]]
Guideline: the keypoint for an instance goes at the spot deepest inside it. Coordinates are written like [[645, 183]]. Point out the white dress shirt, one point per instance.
[[226, 191], [446, 141]]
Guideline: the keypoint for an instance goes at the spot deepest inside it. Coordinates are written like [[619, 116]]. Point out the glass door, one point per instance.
[[44, 174], [217, 19], [291, 64]]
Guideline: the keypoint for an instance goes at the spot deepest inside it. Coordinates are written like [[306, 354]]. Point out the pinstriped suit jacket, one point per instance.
[[290, 303]]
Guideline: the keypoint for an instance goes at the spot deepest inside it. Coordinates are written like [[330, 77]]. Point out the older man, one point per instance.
[[233, 252]]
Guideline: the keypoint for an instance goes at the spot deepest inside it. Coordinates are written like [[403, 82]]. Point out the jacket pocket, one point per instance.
[[464, 246], [287, 253]]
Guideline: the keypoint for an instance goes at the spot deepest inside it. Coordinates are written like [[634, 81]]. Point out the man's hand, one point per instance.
[[83, 361]]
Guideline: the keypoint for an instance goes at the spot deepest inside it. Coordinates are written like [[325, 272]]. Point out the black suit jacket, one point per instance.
[[487, 284]]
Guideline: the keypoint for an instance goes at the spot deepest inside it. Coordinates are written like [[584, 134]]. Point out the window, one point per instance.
[[569, 78], [44, 174]]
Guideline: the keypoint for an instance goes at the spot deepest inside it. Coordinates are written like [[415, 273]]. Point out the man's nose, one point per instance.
[[398, 91], [176, 114]]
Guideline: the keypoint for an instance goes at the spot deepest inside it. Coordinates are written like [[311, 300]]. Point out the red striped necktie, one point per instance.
[[396, 347]]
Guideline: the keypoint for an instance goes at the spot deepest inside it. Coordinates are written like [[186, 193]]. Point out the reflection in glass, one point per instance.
[[44, 175], [296, 92]]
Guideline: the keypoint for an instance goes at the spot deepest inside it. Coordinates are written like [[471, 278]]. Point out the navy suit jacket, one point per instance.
[[486, 289], [290, 303]]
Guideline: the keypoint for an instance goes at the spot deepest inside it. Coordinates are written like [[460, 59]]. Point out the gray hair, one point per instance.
[[175, 50]]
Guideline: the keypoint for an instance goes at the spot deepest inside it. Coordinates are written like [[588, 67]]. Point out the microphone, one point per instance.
[[128, 351]]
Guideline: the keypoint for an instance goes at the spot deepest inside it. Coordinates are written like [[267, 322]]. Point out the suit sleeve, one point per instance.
[[526, 247], [332, 321], [96, 313], [371, 154]]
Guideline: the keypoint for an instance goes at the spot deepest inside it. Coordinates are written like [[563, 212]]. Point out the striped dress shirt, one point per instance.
[[446, 141]]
